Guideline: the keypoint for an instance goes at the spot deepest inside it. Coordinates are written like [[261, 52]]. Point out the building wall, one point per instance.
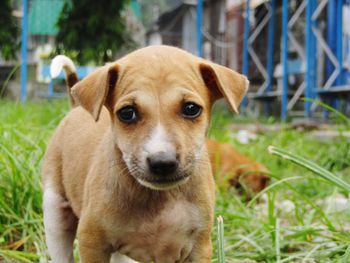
[[189, 33], [234, 36]]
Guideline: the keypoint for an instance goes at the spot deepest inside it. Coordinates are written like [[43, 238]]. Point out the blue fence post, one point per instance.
[[24, 51], [199, 23], [284, 95], [270, 47], [310, 43], [245, 62], [245, 65], [313, 56], [331, 34], [50, 89], [339, 41]]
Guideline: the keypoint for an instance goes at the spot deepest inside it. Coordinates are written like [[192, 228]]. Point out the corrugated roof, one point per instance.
[[43, 16]]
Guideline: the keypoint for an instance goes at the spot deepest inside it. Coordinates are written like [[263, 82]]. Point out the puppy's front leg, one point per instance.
[[60, 227], [92, 244], [201, 252]]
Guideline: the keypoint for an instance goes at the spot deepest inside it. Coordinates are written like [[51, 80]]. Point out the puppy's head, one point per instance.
[[160, 99]]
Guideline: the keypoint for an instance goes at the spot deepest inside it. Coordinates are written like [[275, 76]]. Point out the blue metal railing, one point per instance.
[[313, 54], [310, 43], [284, 99], [245, 62], [199, 25], [24, 50]]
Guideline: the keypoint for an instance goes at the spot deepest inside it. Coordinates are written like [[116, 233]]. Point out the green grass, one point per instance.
[[24, 132], [295, 223]]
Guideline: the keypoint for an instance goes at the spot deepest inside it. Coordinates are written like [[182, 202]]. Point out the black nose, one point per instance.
[[162, 163]]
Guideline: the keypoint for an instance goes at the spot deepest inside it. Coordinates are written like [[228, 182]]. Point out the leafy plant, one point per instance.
[[95, 30], [9, 31]]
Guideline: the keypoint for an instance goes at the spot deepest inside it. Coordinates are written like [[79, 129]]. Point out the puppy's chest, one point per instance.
[[166, 237]]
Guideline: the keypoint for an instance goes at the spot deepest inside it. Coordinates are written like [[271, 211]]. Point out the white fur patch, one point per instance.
[[61, 62], [246, 85], [118, 258], [159, 141], [58, 239]]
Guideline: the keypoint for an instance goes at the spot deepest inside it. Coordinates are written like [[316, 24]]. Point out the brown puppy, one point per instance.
[[129, 169], [229, 166], [233, 168]]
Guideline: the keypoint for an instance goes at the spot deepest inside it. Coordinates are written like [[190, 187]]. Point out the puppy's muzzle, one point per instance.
[[162, 164], [163, 171]]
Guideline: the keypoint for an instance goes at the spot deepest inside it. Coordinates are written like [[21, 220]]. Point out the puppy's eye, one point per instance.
[[191, 110], [128, 114]]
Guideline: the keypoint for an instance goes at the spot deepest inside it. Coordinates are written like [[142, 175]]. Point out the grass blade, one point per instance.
[[337, 113], [221, 252], [346, 257], [310, 166], [277, 241]]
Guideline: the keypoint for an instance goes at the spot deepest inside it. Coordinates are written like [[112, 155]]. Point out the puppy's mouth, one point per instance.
[[163, 183]]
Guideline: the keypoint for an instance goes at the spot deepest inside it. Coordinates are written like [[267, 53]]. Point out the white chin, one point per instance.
[[164, 186]]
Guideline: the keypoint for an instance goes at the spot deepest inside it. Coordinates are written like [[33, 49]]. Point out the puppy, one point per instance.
[[232, 168], [128, 169]]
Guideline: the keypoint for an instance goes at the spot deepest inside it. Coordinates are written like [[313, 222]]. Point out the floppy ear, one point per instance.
[[94, 90], [224, 82]]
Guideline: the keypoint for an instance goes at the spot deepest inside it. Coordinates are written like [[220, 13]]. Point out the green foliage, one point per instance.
[[325, 174], [24, 131], [9, 31], [95, 30], [300, 219]]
